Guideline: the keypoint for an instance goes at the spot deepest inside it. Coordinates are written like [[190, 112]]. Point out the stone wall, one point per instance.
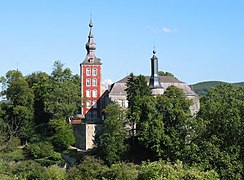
[[85, 135]]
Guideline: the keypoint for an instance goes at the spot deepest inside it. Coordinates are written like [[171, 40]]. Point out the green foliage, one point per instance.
[[151, 127], [163, 123], [29, 170], [63, 97], [111, 143], [161, 73], [41, 84], [202, 88], [56, 173], [90, 168], [63, 135], [160, 170], [18, 110], [219, 143], [40, 150], [12, 144], [122, 171]]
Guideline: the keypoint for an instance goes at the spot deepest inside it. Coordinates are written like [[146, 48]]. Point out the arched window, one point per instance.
[[88, 71], [88, 93], [94, 71], [94, 93], [94, 82], [88, 82]]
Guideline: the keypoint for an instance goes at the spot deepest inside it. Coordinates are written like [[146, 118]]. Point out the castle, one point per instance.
[[95, 97]]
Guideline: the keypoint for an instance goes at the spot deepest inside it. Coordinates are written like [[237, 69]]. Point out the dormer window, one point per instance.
[[90, 60]]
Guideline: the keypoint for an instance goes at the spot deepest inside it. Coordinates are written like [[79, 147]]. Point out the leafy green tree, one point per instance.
[[111, 143], [39, 150], [29, 170], [136, 89], [219, 141], [163, 123], [40, 82], [161, 73], [90, 168], [56, 173], [162, 170], [62, 133], [151, 131], [174, 107], [63, 98], [18, 110], [122, 171]]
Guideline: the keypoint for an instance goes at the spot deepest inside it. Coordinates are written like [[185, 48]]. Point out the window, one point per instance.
[[88, 71], [94, 82], [94, 71], [94, 93], [94, 104], [88, 104], [88, 82], [88, 93], [94, 114], [88, 114]]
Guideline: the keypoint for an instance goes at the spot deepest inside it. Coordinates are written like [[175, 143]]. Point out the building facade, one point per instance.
[[91, 75], [95, 97]]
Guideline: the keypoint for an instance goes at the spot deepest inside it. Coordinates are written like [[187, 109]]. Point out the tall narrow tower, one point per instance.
[[90, 70], [155, 84]]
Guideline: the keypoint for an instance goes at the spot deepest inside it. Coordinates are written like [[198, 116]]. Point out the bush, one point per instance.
[[29, 170], [122, 171], [40, 150], [55, 172]]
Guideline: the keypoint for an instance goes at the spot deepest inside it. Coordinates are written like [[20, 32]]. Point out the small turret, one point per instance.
[[155, 84]]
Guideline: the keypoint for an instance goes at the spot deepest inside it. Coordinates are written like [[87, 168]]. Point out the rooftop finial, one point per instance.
[[91, 24], [154, 51]]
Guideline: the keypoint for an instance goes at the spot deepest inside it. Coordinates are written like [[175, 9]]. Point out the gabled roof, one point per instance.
[[166, 81], [163, 79]]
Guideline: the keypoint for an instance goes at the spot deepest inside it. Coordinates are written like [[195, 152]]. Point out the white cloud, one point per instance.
[[166, 30], [163, 30]]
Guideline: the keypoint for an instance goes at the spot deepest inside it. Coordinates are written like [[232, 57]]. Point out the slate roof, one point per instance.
[[91, 61], [166, 81]]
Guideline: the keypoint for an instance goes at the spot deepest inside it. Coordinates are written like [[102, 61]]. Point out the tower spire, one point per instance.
[[90, 45], [154, 79]]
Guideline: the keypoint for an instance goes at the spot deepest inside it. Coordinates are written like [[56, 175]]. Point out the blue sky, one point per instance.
[[197, 40]]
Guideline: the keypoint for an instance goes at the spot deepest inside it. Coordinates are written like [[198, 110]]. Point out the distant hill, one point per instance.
[[202, 88]]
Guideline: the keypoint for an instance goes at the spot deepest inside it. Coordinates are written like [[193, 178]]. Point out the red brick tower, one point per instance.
[[90, 70]]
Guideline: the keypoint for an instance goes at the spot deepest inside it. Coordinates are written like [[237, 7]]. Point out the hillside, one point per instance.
[[203, 87]]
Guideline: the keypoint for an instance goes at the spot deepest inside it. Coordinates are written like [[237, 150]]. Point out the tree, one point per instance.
[[18, 110], [40, 82], [163, 123], [111, 143], [162, 170], [151, 127], [62, 133], [219, 141], [136, 89], [161, 73], [63, 97]]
